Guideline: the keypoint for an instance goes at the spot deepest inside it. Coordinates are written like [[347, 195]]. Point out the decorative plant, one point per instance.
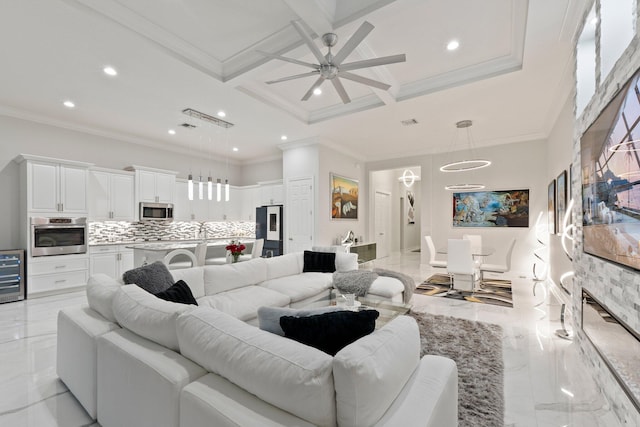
[[236, 248]]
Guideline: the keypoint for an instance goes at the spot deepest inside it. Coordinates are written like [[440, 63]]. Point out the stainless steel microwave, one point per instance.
[[58, 236], [156, 211]]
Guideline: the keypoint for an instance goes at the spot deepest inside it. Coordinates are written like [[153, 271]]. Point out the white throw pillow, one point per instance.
[[346, 262], [292, 376], [100, 292], [147, 315], [285, 265], [220, 278], [194, 277], [370, 372]]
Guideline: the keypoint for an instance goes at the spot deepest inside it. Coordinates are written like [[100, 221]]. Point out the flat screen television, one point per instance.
[[610, 155]]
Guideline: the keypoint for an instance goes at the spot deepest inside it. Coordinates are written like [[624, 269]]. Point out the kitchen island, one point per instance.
[[148, 252]]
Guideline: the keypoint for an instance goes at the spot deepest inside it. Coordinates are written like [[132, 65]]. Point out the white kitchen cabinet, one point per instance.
[[154, 185], [250, 200], [55, 186], [112, 260], [56, 273], [271, 194], [191, 210], [111, 196]]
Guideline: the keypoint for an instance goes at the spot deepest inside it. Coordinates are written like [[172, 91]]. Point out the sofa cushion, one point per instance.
[[179, 293], [153, 277], [194, 277], [370, 373], [220, 278], [330, 332], [100, 292], [285, 265], [346, 262], [269, 317], [243, 303], [300, 286], [320, 262], [282, 372], [387, 287], [148, 316]]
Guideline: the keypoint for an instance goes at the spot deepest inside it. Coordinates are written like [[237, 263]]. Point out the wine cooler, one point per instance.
[[12, 276]]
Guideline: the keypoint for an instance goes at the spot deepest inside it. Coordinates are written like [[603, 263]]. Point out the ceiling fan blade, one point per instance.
[[284, 58], [353, 42], [383, 60], [343, 93], [315, 85], [364, 80], [312, 46], [297, 76]]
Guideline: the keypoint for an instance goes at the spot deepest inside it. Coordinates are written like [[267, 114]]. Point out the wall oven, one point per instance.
[[58, 236]]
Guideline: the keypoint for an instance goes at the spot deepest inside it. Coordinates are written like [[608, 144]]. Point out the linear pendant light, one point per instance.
[[190, 187]]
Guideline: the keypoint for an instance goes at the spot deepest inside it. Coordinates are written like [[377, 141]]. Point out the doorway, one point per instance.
[[382, 223]]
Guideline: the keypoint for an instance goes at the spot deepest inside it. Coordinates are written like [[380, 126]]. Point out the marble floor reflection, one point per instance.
[[546, 382]]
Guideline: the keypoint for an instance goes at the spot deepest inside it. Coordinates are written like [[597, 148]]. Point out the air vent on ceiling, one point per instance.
[[187, 125], [409, 122], [207, 118]]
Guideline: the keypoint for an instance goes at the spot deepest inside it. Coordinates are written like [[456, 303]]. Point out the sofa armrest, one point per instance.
[[430, 396]]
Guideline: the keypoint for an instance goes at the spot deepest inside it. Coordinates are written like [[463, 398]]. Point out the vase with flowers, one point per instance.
[[235, 248]]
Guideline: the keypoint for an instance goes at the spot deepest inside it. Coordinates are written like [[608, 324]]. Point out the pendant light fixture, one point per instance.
[[218, 190], [465, 165], [190, 187]]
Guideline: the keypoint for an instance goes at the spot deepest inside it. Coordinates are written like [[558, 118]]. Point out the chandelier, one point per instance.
[[465, 164]]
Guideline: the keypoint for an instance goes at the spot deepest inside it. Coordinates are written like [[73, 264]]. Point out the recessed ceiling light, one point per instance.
[[221, 113], [317, 91], [235, 148], [172, 132], [453, 45], [110, 71], [69, 104], [283, 137]]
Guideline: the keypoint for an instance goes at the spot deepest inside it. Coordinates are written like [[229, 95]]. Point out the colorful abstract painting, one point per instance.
[[344, 197], [509, 208]]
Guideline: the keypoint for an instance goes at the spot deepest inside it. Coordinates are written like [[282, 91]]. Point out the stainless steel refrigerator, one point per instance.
[[269, 228]]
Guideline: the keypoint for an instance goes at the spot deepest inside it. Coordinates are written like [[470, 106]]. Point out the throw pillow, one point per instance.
[[269, 317], [179, 292], [320, 262], [153, 278], [330, 332]]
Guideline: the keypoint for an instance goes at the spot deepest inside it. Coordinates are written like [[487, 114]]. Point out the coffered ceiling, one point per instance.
[[510, 74]]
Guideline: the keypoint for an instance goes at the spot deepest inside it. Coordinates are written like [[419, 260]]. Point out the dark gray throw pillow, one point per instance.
[[179, 292], [153, 278], [319, 262], [330, 332]]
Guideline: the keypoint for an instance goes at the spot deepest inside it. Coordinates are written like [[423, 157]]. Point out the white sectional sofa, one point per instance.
[[133, 359]]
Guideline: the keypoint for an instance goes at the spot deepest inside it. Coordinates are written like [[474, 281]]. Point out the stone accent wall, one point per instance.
[[616, 287], [126, 232]]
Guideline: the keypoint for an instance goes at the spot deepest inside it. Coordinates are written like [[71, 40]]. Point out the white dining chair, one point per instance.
[[460, 264], [432, 254], [180, 254], [201, 253], [256, 251], [476, 242], [499, 268]]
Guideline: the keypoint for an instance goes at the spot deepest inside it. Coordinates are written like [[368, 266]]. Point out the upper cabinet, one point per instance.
[[154, 185], [271, 193], [53, 185], [111, 195], [190, 210]]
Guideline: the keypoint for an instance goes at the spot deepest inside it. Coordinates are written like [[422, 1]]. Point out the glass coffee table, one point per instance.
[[388, 310]]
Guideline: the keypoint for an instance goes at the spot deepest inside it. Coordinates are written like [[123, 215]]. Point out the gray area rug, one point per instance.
[[476, 348]]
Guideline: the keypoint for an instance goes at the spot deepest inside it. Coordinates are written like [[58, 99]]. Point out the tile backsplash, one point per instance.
[[121, 231]]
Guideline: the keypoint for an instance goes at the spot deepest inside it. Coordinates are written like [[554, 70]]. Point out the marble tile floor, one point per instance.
[[546, 381]]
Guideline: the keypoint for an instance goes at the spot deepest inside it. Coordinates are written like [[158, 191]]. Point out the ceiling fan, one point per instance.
[[330, 66]]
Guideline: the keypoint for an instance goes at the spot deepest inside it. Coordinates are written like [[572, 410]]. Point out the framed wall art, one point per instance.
[[561, 200], [509, 208], [344, 197], [551, 207], [411, 207]]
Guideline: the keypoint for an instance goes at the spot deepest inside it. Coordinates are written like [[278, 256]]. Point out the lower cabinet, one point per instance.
[[56, 273], [112, 260]]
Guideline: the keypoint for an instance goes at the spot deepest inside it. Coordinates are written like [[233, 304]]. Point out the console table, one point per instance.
[[366, 251]]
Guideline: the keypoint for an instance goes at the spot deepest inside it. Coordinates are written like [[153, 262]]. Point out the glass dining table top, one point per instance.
[[475, 251]]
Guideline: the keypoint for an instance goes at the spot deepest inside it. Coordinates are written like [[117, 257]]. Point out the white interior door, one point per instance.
[[382, 214], [299, 215]]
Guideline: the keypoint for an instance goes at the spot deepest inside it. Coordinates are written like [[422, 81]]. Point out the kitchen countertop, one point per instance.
[[163, 246], [188, 243]]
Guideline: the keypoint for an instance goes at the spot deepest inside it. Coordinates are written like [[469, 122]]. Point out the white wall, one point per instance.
[[515, 166], [269, 170]]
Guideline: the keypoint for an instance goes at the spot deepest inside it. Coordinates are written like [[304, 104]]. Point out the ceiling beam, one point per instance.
[[317, 17]]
